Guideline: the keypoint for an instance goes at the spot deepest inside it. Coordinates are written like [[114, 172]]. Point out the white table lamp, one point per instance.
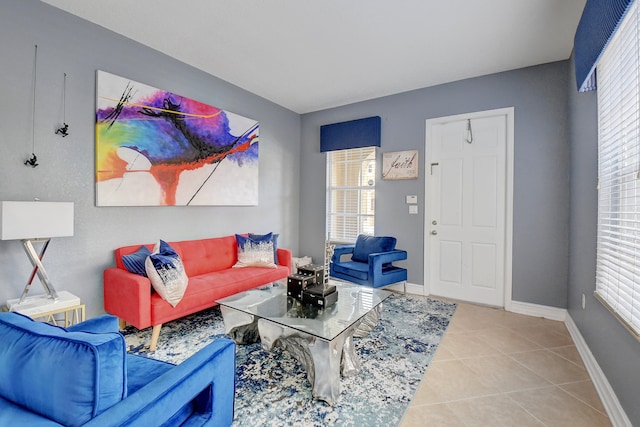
[[36, 222]]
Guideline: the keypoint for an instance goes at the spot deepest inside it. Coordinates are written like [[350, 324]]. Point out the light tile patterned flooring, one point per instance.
[[496, 368]]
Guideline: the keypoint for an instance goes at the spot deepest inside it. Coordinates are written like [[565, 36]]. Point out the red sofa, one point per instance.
[[208, 264]]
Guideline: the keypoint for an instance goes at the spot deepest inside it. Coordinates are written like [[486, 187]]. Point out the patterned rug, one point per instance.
[[272, 388]]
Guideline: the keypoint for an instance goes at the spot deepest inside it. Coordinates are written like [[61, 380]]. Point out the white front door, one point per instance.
[[466, 207]]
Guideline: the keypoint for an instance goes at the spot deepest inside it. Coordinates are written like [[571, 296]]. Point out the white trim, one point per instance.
[[509, 112], [616, 413], [508, 247], [412, 288], [537, 310]]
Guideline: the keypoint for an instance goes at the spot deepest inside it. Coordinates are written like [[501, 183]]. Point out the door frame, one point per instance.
[[509, 112]]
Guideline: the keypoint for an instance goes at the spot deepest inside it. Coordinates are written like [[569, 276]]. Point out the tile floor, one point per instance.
[[495, 368]]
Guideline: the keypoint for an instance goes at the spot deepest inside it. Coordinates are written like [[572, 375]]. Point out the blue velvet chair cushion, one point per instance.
[[14, 415], [366, 245], [141, 370], [353, 269], [36, 359]]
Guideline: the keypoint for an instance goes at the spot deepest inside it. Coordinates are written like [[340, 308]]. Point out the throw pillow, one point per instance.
[[166, 272], [135, 262], [366, 245], [255, 252], [274, 239]]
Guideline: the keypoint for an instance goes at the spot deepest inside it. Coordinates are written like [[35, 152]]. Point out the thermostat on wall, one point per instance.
[[411, 200]]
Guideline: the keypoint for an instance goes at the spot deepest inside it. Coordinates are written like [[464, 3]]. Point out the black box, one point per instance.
[[321, 290], [296, 283], [319, 296], [313, 270]]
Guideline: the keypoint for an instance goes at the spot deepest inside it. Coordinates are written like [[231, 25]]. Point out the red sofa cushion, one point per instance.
[[207, 255], [198, 256]]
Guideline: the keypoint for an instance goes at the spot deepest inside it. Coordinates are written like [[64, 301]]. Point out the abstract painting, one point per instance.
[[157, 148]]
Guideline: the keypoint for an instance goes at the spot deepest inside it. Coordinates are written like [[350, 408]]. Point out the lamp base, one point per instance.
[[37, 304]]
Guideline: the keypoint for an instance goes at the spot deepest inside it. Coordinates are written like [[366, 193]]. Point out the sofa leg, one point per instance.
[[155, 334], [122, 324]]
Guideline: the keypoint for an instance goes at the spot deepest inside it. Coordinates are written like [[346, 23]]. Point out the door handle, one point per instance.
[[434, 232]]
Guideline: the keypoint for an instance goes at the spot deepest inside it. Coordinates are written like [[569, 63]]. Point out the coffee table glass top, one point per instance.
[[272, 303]]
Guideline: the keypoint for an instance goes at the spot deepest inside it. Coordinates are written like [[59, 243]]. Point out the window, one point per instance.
[[618, 246], [351, 176]]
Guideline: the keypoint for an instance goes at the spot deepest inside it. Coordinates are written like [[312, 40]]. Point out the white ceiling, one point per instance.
[[310, 55]]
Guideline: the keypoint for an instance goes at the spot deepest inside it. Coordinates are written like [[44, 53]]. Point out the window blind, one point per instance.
[[618, 240], [350, 194]]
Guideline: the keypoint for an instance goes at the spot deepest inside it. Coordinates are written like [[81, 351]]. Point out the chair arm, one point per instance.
[[128, 296], [207, 378], [101, 324], [377, 259], [285, 258], [338, 251]]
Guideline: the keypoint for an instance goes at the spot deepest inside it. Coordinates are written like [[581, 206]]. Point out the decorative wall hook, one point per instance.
[[64, 129], [33, 160], [469, 137]]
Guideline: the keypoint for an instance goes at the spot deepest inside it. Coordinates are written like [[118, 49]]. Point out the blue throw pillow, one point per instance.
[[166, 273], [366, 245], [274, 239], [134, 263], [255, 252]]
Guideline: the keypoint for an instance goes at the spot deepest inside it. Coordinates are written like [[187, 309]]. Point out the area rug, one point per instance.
[[272, 388]]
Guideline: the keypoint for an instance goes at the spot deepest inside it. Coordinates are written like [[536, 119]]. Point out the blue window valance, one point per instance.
[[353, 134], [599, 21]]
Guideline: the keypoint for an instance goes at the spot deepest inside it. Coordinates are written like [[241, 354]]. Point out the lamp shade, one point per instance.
[[35, 220]]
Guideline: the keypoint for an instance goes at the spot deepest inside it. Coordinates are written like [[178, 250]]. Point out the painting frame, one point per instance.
[[399, 165], [158, 148]]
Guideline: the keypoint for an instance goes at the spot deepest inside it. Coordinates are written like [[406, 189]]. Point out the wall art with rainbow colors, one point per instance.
[[157, 148]]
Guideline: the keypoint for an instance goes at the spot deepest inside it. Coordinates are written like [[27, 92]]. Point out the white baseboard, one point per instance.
[[616, 413], [412, 288], [536, 310], [617, 416]]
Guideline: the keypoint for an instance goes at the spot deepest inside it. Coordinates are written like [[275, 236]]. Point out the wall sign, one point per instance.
[[400, 165]]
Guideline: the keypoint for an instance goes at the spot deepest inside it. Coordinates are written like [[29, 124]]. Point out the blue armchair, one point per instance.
[[371, 262], [83, 376]]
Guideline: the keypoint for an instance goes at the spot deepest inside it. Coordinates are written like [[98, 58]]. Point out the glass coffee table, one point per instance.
[[320, 338]]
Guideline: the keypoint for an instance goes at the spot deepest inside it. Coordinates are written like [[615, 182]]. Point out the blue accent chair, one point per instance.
[[371, 262], [83, 376]]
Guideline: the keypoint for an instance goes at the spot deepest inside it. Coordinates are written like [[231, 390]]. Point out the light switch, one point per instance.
[[412, 200], [413, 209]]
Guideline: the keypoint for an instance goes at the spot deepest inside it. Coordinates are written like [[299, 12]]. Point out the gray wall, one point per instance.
[[66, 172], [617, 352], [541, 182], [554, 242]]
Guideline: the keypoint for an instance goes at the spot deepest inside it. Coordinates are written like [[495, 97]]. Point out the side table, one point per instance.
[[69, 304]]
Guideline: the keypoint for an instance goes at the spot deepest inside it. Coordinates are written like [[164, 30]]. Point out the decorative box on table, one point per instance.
[[296, 283], [314, 270], [320, 295]]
